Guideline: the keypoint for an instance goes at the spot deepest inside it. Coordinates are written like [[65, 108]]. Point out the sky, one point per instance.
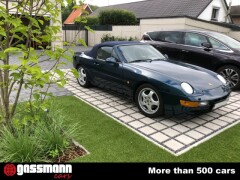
[[112, 2]]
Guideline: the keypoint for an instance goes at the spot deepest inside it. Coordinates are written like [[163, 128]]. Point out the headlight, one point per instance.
[[222, 79], [187, 88]]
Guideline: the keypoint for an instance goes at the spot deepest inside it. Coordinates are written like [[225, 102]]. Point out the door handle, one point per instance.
[[186, 51], [95, 63]]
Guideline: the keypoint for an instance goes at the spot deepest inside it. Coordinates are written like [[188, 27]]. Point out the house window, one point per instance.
[[215, 13]]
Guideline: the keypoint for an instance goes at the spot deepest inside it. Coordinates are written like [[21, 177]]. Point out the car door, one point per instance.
[[169, 43], [107, 75], [194, 53]]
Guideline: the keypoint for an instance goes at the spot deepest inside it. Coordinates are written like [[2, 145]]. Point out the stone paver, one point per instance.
[[173, 144], [199, 121], [118, 114], [189, 124], [203, 130], [158, 126], [147, 120], [212, 126], [170, 132], [160, 137], [121, 107], [136, 124], [175, 134], [129, 111], [147, 130], [137, 115], [185, 139], [194, 134], [103, 106], [180, 128], [168, 122], [110, 110], [126, 119], [219, 122]]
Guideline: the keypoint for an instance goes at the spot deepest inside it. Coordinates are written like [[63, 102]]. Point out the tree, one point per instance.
[[67, 9], [18, 31], [90, 21]]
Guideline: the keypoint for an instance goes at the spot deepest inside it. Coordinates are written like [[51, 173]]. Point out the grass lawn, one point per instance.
[[109, 141]]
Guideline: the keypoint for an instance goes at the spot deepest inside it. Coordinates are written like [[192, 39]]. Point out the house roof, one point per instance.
[[161, 8], [235, 11], [76, 13]]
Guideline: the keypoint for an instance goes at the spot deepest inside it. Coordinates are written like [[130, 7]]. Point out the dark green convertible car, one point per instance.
[[157, 84]]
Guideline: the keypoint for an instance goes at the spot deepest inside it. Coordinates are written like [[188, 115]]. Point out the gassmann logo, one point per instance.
[[63, 171]]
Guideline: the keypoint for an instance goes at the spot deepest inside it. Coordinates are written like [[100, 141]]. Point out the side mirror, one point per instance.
[[146, 37], [111, 60], [166, 56], [207, 45]]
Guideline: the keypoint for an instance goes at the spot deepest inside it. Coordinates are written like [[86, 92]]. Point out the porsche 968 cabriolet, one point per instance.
[[157, 84]]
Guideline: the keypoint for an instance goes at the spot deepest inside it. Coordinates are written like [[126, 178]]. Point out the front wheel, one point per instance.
[[232, 75], [149, 100], [83, 78]]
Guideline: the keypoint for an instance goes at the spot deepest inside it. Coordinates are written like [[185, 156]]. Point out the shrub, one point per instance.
[[109, 37], [19, 146], [117, 17], [90, 21], [37, 141]]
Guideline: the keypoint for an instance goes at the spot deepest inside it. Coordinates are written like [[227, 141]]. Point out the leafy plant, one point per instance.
[[18, 33], [19, 146], [54, 153], [37, 141], [109, 37]]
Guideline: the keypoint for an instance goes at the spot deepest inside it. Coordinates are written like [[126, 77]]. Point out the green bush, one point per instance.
[[108, 37], [90, 21], [117, 17], [19, 146], [39, 141]]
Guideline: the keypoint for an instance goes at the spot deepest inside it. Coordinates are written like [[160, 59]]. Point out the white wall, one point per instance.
[[207, 13], [158, 25], [161, 24], [193, 24], [119, 31], [235, 34]]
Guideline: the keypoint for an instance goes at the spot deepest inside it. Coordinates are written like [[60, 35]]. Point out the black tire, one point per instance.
[[231, 74], [146, 104], [83, 78]]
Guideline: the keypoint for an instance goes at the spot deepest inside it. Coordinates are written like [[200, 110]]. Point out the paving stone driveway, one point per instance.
[[175, 134]]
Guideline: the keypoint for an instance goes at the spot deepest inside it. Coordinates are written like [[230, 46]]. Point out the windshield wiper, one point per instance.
[[141, 60]]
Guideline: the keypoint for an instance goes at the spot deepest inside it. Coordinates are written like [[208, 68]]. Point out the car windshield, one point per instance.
[[140, 53], [232, 43]]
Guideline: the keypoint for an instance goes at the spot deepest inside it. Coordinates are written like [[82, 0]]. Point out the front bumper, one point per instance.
[[216, 98]]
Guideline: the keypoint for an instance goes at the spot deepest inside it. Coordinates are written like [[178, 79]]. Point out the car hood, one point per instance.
[[182, 72]]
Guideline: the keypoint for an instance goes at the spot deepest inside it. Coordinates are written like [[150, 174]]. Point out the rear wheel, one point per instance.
[[83, 78], [149, 100], [232, 75]]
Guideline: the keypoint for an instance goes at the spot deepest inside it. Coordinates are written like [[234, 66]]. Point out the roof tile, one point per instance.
[[161, 8]]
